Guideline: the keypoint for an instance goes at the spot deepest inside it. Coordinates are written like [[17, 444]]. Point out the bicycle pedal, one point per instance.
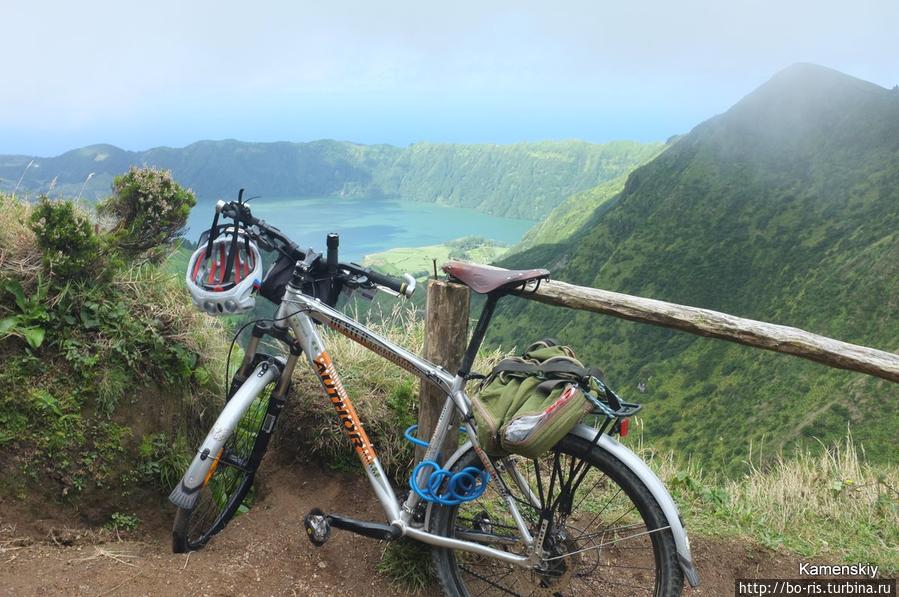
[[318, 527]]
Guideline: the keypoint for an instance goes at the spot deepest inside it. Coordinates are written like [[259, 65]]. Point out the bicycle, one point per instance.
[[589, 514]]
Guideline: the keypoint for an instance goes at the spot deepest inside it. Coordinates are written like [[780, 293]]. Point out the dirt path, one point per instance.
[[265, 552]]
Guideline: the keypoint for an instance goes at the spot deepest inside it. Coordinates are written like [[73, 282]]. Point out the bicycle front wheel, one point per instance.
[[607, 535], [228, 489]]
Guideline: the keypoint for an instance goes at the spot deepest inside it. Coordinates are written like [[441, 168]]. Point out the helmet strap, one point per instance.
[[232, 251], [212, 235]]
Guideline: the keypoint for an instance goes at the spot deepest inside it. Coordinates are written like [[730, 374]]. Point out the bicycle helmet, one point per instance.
[[222, 282]]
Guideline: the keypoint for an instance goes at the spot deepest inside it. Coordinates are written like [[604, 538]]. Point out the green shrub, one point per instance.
[[66, 238], [150, 210], [122, 522], [29, 322]]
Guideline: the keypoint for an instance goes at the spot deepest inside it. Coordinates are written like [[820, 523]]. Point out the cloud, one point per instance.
[[100, 67]]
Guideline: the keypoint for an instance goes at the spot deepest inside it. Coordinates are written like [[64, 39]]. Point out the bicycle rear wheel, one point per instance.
[[607, 533], [228, 488]]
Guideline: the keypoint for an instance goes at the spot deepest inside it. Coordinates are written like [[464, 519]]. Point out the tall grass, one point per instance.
[[828, 502], [20, 257]]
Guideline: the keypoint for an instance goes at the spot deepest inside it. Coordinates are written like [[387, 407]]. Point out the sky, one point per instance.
[[171, 72]]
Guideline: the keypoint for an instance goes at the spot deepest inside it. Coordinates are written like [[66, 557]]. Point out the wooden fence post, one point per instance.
[[446, 337]]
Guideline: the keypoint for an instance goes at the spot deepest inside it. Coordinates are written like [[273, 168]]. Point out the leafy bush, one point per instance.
[[66, 239], [120, 521], [125, 348], [32, 315], [150, 209]]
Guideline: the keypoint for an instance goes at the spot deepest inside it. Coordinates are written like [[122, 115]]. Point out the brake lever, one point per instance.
[[353, 283], [260, 239]]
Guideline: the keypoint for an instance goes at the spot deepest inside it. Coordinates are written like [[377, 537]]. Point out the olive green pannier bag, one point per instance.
[[528, 403]]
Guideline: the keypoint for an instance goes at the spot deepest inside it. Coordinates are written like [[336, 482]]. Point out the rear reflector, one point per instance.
[[623, 427]]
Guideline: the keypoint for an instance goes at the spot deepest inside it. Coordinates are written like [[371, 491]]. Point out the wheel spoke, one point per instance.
[[602, 542], [607, 543]]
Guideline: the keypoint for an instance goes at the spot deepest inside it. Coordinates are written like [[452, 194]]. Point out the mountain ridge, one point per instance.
[[524, 180], [785, 208]]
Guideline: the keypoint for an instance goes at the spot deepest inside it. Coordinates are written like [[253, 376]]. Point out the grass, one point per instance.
[[419, 261], [823, 503], [407, 563]]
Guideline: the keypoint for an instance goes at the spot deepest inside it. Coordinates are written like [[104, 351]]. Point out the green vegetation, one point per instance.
[[567, 217], [524, 180], [419, 261], [150, 210], [407, 564], [783, 209], [66, 239], [101, 365], [821, 503], [30, 315], [122, 522]]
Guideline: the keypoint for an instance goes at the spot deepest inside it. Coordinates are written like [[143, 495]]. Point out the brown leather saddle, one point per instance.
[[486, 278]]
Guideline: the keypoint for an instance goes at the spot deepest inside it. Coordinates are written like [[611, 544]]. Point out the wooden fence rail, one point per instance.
[[705, 322], [445, 340]]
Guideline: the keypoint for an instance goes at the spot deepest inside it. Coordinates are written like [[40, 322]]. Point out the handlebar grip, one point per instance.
[[404, 286], [333, 242]]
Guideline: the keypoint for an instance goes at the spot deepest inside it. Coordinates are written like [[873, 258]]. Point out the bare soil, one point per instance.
[[264, 552]]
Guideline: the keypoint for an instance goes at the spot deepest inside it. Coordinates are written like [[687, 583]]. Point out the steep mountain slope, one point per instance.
[[784, 209], [574, 211], [524, 180]]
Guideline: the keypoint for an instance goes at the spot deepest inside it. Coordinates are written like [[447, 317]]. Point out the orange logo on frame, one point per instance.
[[349, 420]]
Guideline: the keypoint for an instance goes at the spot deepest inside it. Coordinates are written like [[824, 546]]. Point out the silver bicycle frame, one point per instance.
[[300, 312]]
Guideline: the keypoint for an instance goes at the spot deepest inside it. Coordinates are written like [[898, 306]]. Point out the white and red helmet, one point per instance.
[[222, 281]]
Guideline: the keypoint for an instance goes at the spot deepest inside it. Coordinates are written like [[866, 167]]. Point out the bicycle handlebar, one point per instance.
[[240, 212], [404, 286]]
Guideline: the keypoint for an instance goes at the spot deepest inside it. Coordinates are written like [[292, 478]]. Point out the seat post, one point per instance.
[[480, 330]]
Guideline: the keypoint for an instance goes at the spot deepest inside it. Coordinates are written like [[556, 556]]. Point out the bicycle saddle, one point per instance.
[[486, 278]]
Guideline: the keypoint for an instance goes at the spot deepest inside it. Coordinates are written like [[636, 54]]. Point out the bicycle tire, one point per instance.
[[229, 485], [463, 573]]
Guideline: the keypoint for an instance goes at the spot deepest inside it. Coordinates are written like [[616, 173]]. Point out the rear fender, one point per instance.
[[636, 465], [639, 468]]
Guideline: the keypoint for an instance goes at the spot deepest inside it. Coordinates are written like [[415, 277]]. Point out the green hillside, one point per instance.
[[106, 367], [524, 180], [784, 209], [565, 219]]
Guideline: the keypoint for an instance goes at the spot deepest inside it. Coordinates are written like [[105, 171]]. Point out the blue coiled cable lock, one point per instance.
[[463, 486]]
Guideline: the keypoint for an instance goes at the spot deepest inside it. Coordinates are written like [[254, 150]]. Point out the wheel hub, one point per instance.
[[554, 573]]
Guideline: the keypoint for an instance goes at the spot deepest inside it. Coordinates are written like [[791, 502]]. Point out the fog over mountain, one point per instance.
[[784, 209]]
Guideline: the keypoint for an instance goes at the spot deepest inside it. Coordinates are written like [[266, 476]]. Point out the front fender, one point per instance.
[[187, 491]]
